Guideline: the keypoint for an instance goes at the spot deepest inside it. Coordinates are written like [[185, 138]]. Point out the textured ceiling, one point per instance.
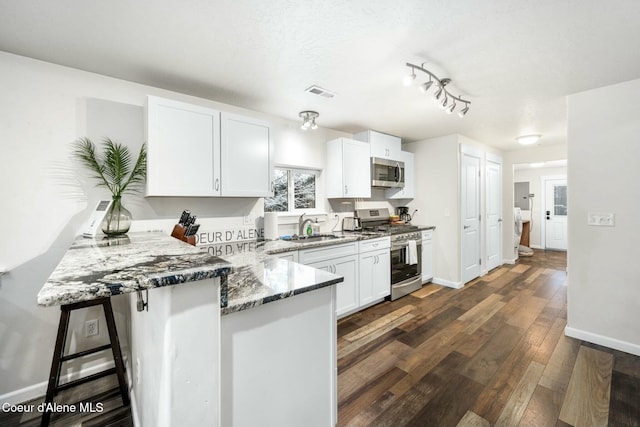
[[516, 60]]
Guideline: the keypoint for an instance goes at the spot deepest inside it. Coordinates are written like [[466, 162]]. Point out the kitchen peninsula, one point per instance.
[[223, 340]]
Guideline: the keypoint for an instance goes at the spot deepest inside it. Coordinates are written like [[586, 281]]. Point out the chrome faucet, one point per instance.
[[301, 225]]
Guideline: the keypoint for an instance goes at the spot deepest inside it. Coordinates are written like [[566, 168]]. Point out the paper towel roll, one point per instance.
[[270, 225]]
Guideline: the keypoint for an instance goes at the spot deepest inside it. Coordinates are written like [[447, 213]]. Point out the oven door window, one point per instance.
[[400, 270]]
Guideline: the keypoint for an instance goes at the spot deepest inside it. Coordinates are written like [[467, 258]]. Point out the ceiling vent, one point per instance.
[[317, 90]]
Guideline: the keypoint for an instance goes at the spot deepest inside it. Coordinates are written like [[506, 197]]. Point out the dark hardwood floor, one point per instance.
[[491, 354], [103, 393]]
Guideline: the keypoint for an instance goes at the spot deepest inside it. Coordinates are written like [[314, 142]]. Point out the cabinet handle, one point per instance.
[[466, 226], [273, 187], [217, 186], [346, 190]]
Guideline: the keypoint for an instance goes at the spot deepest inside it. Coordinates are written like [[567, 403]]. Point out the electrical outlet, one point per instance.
[[91, 327], [249, 219]]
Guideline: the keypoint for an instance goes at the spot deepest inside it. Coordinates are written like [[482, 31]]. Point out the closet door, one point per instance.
[[470, 213]]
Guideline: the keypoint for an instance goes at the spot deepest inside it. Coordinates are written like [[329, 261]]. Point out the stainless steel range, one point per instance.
[[406, 250]]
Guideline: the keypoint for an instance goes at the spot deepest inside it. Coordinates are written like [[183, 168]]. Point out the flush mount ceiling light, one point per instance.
[[442, 96], [528, 139], [308, 119]]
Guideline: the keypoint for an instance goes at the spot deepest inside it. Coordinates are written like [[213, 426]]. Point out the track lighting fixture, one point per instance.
[[309, 119], [449, 102]]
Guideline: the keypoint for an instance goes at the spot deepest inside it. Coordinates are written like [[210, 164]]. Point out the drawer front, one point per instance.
[[427, 234], [374, 244], [307, 256]]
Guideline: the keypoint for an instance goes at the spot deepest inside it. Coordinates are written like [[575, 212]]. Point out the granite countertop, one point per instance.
[[93, 269], [258, 278]]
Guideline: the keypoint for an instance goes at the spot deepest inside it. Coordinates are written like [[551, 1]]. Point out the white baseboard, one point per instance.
[[509, 260], [447, 283], [614, 343], [40, 389]]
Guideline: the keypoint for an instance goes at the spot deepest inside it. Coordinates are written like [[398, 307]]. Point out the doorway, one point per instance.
[[534, 206], [555, 213]]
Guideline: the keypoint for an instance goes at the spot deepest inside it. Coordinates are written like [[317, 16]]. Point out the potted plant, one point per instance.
[[115, 169]]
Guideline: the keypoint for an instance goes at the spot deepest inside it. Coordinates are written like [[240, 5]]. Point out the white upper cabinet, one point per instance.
[[382, 145], [408, 191], [183, 144], [245, 157], [348, 170], [199, 152]]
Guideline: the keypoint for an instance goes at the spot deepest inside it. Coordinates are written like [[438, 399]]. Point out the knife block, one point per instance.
[[178, 233]]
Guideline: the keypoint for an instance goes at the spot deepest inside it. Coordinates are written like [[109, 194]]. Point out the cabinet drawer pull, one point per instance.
[[217, 186]]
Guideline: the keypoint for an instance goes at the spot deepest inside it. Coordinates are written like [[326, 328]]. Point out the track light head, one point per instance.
[[408, 79], [464, 111], [426, 85], [452, 107]]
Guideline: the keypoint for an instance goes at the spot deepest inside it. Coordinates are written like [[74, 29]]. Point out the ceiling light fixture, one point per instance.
[[528, 139], [440, 83], [309, 119]]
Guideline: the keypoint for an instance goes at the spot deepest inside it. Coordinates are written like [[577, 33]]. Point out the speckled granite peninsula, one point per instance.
[[94, 269]]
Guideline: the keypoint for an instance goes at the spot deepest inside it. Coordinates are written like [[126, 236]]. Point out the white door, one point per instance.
[[494, 214], [470, 209], [556, 214]]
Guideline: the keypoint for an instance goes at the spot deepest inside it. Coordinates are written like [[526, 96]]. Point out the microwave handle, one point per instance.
[[398, 172]]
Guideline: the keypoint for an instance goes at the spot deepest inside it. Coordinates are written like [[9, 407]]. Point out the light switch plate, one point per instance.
[[601, 219]]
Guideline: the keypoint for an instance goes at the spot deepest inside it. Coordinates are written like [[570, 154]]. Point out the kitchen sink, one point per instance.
[[310, 239]]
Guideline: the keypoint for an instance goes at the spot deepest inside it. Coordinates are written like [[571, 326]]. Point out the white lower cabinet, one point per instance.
[[365, 266], [375, 270], [427, 256], [343, 261], [347, 291]]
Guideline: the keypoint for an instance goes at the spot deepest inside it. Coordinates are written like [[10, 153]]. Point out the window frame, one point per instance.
[[292, 211]]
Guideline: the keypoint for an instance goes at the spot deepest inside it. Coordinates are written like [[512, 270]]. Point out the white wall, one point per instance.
[[438, 199], [45, 199], [603, 176], [537, 203], [539, 153]]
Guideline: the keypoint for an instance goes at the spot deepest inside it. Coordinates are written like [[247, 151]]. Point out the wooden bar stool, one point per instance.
[[59, 357]]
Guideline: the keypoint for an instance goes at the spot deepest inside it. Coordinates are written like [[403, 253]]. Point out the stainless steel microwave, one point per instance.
[[387, 173]]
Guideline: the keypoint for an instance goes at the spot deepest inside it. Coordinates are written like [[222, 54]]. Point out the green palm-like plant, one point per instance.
[[115, 170]]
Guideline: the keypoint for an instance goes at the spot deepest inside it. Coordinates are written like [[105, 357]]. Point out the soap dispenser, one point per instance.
[[315, 228]]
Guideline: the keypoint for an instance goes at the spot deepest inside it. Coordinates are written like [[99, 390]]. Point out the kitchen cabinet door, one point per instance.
[[348, 171], [183, 145], [408, 191], [381, 144], [375, 276], [382, 275], [427, 256], [347, 291], [245, 157]]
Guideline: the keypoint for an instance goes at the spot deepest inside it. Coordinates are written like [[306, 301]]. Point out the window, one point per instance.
[[295, 190]]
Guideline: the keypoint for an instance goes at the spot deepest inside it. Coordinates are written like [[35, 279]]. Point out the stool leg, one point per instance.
[[56, 363], [115, 348]]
